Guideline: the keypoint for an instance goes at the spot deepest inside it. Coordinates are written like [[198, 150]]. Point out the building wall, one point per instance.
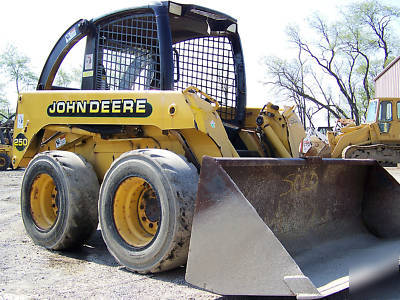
[[387, 83]]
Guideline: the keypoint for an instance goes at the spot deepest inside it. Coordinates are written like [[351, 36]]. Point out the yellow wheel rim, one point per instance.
[[2, 162], [43, 195], [137, 211]]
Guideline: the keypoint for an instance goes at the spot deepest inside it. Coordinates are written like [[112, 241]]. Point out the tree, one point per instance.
[[4, 104], [335, 70], [17, 68], [301, 85], [68, 77], [377, 19]]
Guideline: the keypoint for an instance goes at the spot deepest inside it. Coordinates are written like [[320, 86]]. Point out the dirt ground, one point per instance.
[[28, 271]]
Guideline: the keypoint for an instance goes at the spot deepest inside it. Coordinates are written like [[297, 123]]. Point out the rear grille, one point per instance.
[[128, 56], [208, 64]]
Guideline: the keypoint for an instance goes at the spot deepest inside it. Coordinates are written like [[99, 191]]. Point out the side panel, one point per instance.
[[101, 125]]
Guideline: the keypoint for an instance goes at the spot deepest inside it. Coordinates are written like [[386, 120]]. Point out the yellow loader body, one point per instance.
[[162, 120], [149, 148]]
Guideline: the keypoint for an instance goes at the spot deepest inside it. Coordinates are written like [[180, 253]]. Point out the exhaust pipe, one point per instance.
[[291, 227]]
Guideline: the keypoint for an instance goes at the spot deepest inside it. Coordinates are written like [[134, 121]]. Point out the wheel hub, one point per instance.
[[44, 202], [137, 211]]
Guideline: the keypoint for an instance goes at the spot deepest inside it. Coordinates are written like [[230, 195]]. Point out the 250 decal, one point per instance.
[[20, 142]]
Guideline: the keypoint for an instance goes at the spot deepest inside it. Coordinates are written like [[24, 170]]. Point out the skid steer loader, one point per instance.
[[158, 145]]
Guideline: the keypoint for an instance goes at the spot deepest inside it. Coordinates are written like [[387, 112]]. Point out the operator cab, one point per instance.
[[383, 111], [165, 46]]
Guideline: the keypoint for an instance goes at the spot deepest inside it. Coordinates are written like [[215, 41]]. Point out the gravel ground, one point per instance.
[[28, 271]]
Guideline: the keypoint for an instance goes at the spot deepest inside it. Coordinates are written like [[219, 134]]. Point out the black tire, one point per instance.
[[67, 186], [173, 182], [5, 161]]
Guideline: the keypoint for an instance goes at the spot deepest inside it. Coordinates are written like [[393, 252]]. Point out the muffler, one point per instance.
[[291, 227]]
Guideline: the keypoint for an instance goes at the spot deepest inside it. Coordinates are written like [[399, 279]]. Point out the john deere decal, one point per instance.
[[138, 108]]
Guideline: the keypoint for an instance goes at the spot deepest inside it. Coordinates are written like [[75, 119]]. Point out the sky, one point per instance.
[[35, 26]]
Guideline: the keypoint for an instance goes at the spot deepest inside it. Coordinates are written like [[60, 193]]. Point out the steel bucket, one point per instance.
[[291, 227]]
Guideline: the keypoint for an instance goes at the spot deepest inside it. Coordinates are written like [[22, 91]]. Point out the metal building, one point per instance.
[[387, 83]]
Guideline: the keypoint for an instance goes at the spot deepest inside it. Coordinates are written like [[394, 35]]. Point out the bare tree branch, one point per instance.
[[343, 57]]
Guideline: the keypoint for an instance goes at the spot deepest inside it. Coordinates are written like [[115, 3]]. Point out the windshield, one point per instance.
[[385, 111], [372, 110]]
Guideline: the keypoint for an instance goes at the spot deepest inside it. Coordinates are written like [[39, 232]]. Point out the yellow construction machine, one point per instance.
[[378, 138], [6, 141], [158, 145]]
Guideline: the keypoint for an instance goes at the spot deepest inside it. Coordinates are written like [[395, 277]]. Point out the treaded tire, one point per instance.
[[5, 161], [77, 189], [174, 180]]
